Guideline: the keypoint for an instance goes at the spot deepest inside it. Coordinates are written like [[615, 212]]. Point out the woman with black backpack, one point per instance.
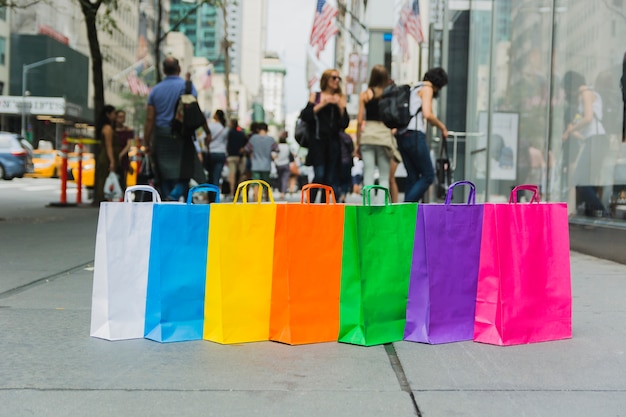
[[412, 140]]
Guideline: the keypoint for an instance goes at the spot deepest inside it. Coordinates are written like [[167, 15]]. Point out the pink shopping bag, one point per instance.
[[524, 285]]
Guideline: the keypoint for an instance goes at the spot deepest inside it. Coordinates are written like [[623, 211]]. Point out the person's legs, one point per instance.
[[382, 162], [393, 185], [426, 170], [166, 188], [216, 166], [407, 145], [368, 155], [319, 172], [233, 165], [283, 179]]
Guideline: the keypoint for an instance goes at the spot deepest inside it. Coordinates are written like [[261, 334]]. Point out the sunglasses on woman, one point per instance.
[[335, 77]]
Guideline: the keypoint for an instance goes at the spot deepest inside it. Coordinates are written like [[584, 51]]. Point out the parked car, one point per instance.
[[15, 157], [46, 163]]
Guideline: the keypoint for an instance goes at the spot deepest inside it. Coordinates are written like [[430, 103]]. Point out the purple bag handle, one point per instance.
[[471, 199], [526, 187]]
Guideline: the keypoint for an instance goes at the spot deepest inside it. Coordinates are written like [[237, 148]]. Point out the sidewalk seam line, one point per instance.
[[396, 365], [39, 281]]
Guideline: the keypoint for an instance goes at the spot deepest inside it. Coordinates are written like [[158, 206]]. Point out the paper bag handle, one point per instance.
[[243, 188], [471, 199], [367, 190], [526, 187], [204, 187], [330, 193], [156, 198]]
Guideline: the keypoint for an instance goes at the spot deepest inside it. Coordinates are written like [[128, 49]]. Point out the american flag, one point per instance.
[[412, 22], [409, 23], [399, 33], [136, 85], [207, 80], [324, 26]]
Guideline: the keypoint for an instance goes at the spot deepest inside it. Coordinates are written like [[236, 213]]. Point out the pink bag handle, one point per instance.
[[526, 187], [330, 194]]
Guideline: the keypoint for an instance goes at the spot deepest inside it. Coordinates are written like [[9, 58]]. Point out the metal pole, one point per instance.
[[492, 65], [24, 71], [549, 110]]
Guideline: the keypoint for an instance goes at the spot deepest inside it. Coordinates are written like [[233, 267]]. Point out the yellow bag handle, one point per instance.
[[243, 188]]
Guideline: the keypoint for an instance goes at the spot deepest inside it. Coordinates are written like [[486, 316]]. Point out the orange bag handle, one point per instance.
[[330, 193], [526, 187], [243, 188]]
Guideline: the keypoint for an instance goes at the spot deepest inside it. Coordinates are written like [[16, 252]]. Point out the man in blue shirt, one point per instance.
[[173, 155]]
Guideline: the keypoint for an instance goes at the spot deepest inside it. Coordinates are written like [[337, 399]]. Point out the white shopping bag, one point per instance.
[[112, 188], [120, 278]]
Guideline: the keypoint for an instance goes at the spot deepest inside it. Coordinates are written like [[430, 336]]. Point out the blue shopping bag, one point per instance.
[[177, 270]]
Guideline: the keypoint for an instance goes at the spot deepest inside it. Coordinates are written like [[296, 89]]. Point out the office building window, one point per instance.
[[3, 50]]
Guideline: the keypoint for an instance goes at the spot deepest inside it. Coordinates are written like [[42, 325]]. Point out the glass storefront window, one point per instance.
[[546, 103]]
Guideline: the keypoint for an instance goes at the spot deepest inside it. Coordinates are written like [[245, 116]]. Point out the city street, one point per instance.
[[51, 366]]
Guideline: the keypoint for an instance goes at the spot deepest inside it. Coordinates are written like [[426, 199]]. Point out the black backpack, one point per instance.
[[187, 114], [394, 106], [304, 134]]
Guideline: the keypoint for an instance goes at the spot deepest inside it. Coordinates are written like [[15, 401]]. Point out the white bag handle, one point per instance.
[[156, 198]]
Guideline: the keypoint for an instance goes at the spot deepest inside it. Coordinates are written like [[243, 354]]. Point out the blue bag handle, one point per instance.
[[526, 187], [204, 187], [367, 190], [471, 199]]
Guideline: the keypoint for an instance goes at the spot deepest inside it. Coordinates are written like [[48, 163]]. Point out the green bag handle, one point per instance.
[[527, 187], [330, 194], [243, 188], [366, 192]]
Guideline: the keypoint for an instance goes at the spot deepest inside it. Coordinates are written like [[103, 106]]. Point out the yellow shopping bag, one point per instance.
[[239, 269]]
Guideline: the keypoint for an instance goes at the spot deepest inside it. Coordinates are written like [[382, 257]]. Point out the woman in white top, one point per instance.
[[412, 140], [587, 127], [216, 158]]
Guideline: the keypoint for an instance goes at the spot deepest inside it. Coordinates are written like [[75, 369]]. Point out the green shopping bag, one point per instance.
[[375, 270]]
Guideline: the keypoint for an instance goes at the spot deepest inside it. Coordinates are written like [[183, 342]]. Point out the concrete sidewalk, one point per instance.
[[51, 367]]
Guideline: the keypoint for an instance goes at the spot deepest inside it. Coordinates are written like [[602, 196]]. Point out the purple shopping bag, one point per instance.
[[444, 273]]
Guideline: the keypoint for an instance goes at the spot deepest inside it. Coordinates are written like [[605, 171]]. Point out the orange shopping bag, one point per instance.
[[307, 270]]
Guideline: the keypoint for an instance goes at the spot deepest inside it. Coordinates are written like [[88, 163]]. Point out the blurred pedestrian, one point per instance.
[[173, 152], [216, 158], [412, 140], [325, 113], [345, 171], [374, 139], [282, 160], [125, 137], [236, 142], [262, 150], [587, 128], [108, 157]]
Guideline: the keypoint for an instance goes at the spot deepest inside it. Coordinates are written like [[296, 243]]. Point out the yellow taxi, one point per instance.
[[88, 168], [46, 163], [131, 176]]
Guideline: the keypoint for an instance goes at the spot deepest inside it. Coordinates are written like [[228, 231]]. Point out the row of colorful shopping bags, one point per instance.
[[307, 273]]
